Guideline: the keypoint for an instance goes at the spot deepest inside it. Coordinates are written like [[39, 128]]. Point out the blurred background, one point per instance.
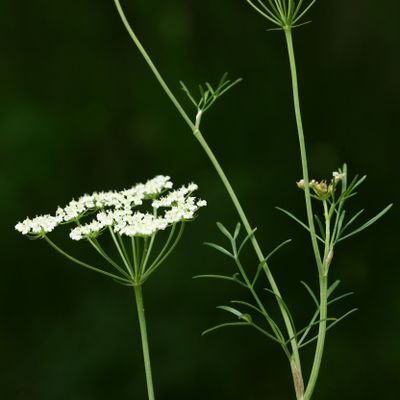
[[80, 111]]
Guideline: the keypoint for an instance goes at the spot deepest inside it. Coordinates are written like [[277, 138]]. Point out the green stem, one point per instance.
[[322, 268], [151, 65], [145, 344], [225, 182], [323, 283], [323, 310], [260, 304], [303, 153]]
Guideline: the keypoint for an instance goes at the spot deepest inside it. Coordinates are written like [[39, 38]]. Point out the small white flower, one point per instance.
[[88, 230], [116, 210], [337, 176], [38, 225]]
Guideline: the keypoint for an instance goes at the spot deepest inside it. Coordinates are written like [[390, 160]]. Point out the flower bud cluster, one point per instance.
[[116, 209], [322, 189]]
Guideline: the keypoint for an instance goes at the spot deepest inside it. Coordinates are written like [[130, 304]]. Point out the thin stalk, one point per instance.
[[323, 280], [83, 264], [135, 256], [121, 253], [224, 179], [148, 252], [323, 283], [99, 249], [323, 316], [303, 153], [260, 304], [145, 344], [156, 264]]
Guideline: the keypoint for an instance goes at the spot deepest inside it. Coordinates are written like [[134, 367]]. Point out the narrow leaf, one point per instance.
[[246, 239], [289, 214], [333, 287], [336, 320], [351, 221], [224, 231], [283, 304], [222, 277], [188, 94], [368, 223], [214, 328], [234, 311], [219, 248], [320, 226], [237, 231], [244, 303], [260, 265], [340, 297], [310, 291]]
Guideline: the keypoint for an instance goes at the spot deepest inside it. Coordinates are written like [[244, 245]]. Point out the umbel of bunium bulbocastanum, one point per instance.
[[144, 222]]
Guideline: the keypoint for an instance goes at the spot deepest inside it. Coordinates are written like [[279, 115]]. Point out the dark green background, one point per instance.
[[80, 111]]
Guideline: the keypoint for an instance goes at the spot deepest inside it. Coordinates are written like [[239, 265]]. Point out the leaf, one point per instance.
[[219, 248], [214, 328], [245, 240], [244, 303], [188, 94], [223, 277], [340, 297], [310, 291], [338, 227], [307, 329], [259, 268], [320, 226], [332, 288], [283, 304], [351, 221], [336, 321], [224, 231], [234, 311], [289, 214], [368, 223], [237, 231]]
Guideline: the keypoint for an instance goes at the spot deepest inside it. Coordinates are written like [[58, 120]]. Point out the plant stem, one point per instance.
[[145, 344], [225, 181], [323, 313], [321, 264], [323, 283], [303, 153]]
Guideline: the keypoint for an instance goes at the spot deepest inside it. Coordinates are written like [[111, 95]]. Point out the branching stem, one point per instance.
[[197, 133], [322, 264]]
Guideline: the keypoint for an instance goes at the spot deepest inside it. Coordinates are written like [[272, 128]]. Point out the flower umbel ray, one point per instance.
[[125, 216], [286, 14]]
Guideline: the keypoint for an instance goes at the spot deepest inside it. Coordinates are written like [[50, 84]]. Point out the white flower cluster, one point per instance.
[[115, 209], [37, 225]]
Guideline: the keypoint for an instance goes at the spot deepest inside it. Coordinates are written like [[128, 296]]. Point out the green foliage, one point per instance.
[[268, 326], [335, 211], [209, 95]]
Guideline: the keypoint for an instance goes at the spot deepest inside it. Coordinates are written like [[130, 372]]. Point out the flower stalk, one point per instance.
[[145, 344], [116, 214]]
